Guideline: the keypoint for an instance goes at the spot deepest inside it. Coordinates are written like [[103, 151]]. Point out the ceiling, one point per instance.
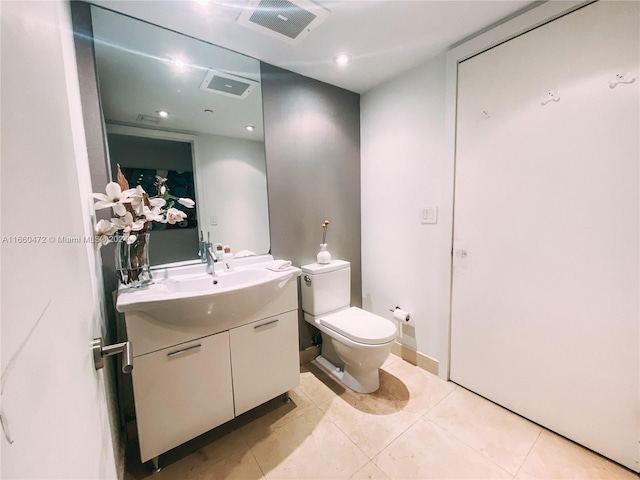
[[383, 37], [139, 76]]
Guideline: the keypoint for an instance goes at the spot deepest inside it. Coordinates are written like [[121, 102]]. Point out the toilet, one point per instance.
[[355, 343]]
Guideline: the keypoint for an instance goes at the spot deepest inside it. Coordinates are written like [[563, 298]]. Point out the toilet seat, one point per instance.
[[360, 326]]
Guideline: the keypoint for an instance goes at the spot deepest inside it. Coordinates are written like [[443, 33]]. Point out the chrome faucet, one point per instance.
[[202, 248], [206, 254], [211, 259]]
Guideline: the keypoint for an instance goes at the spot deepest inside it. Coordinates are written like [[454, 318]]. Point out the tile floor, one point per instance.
[[415, 426]]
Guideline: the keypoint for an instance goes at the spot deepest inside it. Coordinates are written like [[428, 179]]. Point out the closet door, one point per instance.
[[545, 299]]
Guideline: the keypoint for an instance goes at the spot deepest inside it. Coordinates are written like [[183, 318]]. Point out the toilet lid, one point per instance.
[[360, 326]]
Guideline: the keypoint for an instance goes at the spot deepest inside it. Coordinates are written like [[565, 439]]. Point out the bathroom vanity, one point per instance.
[[205, 353]]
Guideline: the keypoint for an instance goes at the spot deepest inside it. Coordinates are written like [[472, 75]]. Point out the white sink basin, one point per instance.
[[187, 296], [205, 283]]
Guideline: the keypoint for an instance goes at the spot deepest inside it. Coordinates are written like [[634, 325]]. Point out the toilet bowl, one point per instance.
[[355, 343]]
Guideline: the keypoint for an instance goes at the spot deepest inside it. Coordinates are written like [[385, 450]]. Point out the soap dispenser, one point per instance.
[[227, 259], [219, 252]]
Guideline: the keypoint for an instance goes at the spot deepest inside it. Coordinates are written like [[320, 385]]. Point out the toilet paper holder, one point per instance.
[[406, 316], [402, 317]]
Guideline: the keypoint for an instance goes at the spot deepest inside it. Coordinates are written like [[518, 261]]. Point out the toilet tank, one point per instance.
[[329, 287]]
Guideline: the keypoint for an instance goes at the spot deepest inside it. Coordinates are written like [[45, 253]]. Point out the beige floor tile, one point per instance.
[[391, 359], [373, 420], [266, 418], [309, 447], [426, 451], [497, 433], [328, 432], [370, 472], [368, 421], [556, 457], [411, 387], [320, 387], [402, 387], [227, 457], [317, 385]]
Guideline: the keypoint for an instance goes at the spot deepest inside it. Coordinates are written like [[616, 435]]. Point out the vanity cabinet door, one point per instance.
[[181, 392], [265, 359]]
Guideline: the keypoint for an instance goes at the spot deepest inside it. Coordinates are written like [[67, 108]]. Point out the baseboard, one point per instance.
[[309, 354], [418, 359]]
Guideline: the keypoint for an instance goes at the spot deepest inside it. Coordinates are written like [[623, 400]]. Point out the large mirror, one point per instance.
[[191, 112]]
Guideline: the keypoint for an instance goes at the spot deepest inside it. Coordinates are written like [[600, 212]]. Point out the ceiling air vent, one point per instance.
[[226, 84], [147, 119], [287, 20]]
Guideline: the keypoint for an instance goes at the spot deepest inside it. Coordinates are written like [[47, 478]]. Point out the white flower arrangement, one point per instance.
[[134, 209]]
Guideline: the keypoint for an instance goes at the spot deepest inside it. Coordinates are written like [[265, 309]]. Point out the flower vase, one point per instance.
[[132, 261], [323, 256]]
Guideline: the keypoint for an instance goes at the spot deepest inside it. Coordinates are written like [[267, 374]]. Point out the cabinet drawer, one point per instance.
[[181, 392], [265, 360]]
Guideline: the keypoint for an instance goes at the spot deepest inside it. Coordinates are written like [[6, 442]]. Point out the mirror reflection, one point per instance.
[[183, 108]]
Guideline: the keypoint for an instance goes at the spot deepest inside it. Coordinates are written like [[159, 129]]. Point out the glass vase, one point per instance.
[[132, 261]]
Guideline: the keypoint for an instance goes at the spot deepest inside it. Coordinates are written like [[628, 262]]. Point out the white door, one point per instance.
[[545, 306], [55, 422]]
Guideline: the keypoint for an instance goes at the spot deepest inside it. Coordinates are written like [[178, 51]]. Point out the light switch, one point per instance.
[[430, 215], [214, 220]]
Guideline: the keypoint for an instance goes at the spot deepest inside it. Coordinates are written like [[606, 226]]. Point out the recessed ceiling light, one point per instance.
[[342, 59], [163, 113], [250, 128], [179, 63]]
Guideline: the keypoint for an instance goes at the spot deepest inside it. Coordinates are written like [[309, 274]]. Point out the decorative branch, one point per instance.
[[324, 231]]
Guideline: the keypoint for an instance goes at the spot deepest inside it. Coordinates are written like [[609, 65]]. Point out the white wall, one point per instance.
[[404, 169], [232, 186], [408, 148], [54, 412]]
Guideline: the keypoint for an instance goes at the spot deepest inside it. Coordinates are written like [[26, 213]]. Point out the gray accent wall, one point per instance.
[[95, 135], [312, 142]]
